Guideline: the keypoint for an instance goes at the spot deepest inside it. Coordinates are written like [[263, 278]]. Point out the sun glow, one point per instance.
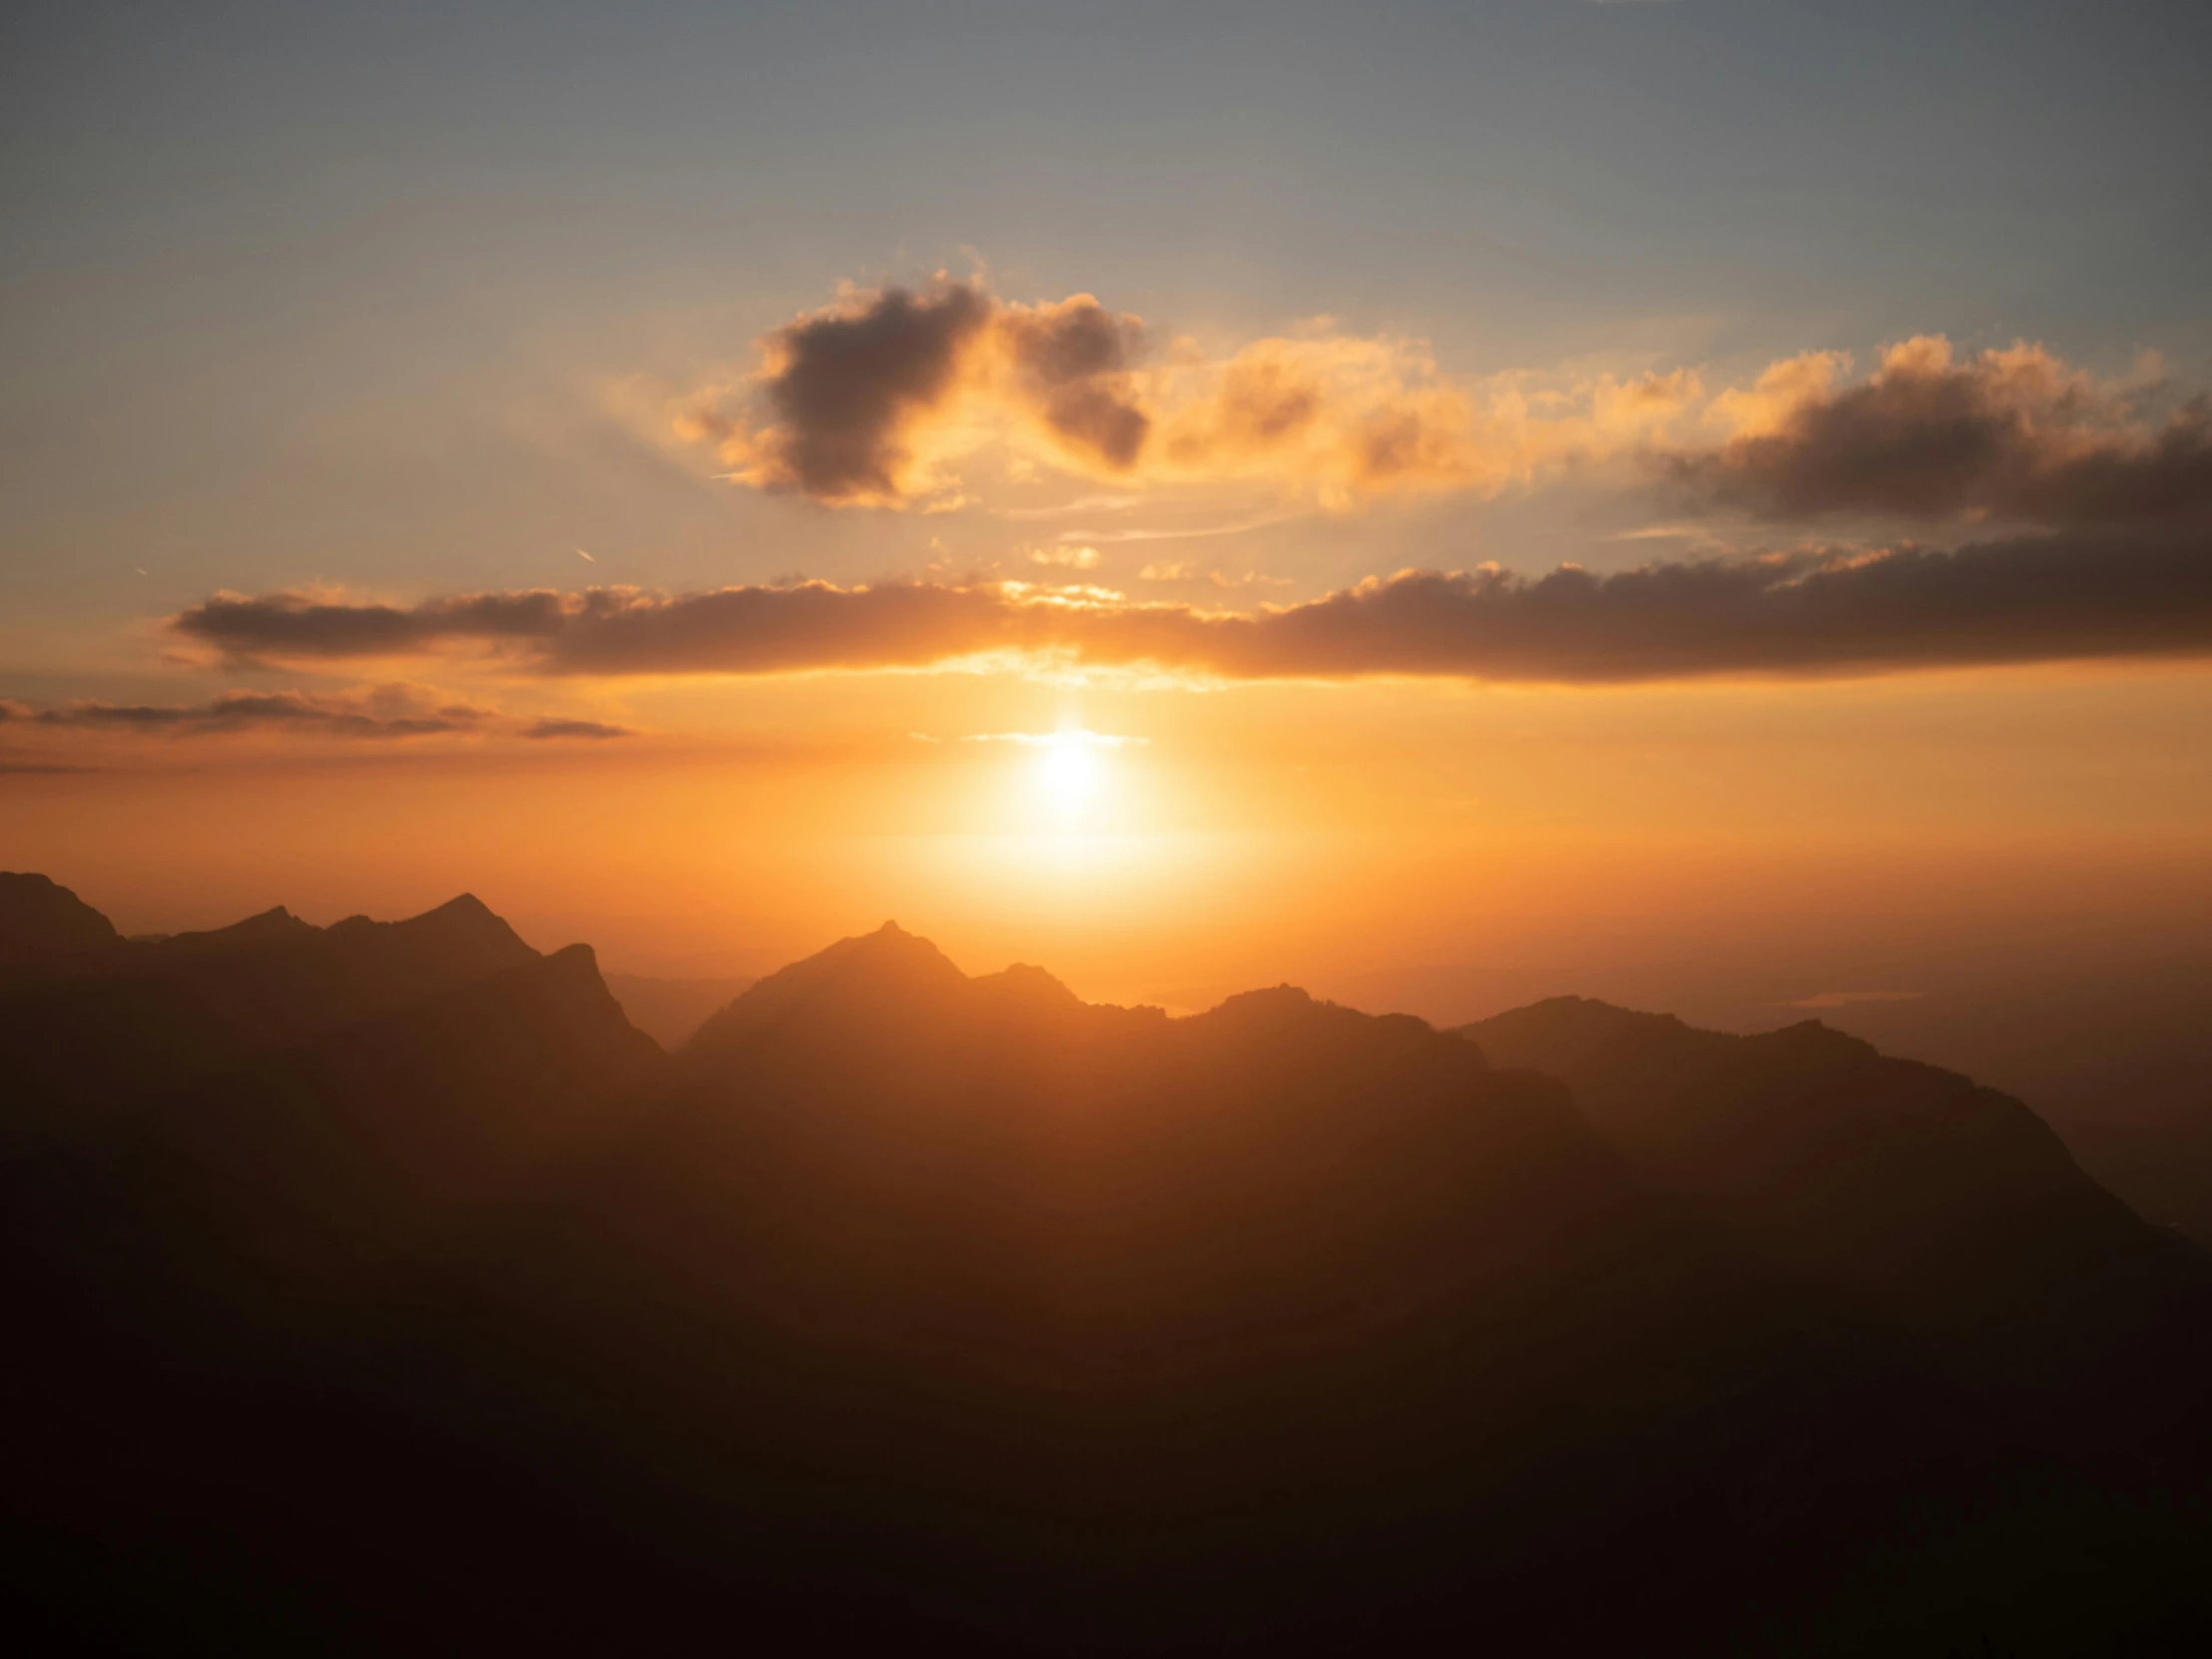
[[1070, 774]]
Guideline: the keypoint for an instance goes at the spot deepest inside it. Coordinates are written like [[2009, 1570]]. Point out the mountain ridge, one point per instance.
[[907, 1305]]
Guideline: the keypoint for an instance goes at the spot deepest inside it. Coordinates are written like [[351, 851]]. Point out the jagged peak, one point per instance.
[[274, 923]]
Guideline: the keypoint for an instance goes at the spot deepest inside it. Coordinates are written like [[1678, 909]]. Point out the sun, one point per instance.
[[1069, 775]]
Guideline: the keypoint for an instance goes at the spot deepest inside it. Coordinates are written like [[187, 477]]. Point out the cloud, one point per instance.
[[893, 397], [844, 388], [13, 710], [1846, 611], [2013, 436], [1060, 740], [397, 710], [878, 400], [760, 630], [1067, 557], [1850, 999], [392, 711], [590, 728]]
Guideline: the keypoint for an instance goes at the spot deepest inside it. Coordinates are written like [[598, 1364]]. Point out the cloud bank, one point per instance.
[[2042, 598], [2012, 436], [888, 396]]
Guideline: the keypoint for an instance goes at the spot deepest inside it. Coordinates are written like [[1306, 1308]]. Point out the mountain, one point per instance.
[[93, 1030], [1282, 1325], [42, 924], [218, 1423], [427, 1302], [2115, 1055], [1948, 1211]]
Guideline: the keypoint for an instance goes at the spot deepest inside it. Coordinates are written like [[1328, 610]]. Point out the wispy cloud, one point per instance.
[[392, 711], [1078, 738], [1847, 1000], [590, 729], [1066, 557]]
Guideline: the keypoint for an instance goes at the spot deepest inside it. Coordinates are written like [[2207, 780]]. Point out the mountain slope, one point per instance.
[[93, 1033], [1282, 1325], [41, 924], [227, 1417], [1946, 1210], [904, 1307]]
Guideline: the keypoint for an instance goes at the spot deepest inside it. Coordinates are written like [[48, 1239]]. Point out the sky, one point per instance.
[[1705, 500]]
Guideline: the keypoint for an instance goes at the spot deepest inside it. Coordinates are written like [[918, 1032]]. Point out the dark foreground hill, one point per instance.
[[439, 1309]]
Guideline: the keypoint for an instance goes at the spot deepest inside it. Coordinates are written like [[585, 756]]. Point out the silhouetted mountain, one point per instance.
[[1944, 1208], [430, 1305], [41, 923], [2115, 1055], [671, 1012], [98, 1029]]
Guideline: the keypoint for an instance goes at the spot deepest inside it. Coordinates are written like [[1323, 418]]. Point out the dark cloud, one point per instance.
[[294, 625], [881, 398], [1074, 361], [619, 630], [574, 729], [2018, 600], [847, 392], [386, 712], [2010, 435], [844, 385]]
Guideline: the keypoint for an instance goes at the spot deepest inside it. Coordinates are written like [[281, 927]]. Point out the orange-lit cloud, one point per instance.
[[878, 398], [891, 398], [2014, 434], [1827, 611]]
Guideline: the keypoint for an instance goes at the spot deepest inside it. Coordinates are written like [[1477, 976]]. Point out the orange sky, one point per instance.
[[1326, 831], [1578, 496]]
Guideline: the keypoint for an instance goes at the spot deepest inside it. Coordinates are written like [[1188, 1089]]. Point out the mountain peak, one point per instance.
[[868, 968], [270, 926], [467, 916], [40, 918]]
